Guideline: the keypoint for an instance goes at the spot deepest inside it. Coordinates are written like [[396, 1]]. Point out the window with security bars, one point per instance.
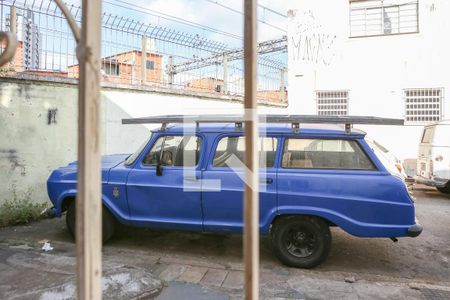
[[332, 103], [383, 17], [423, 105]]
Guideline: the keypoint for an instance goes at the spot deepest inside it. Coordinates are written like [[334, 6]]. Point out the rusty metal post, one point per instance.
[[251, 196], [88, 202]]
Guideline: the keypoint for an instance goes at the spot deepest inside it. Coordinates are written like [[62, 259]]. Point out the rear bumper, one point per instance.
[[437, 182], [415, 230]]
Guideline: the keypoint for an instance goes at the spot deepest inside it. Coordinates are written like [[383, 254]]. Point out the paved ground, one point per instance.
[[178, 265]]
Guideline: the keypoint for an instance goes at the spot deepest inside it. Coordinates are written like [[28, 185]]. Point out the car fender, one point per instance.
[[106, 201], [349, 225], [70, 193]]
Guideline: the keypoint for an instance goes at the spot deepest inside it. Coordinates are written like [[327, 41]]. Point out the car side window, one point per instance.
[[324, 154], [174, 151], [235, 146]]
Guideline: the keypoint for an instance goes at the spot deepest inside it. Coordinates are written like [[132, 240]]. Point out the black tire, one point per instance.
[[108, 222], [301, 241], [445, 189]]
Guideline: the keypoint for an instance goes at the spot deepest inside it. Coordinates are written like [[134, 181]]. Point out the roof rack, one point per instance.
[[295, 120]]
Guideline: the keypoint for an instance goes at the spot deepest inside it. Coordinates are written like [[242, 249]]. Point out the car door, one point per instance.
[[223, 209], [155, 186]]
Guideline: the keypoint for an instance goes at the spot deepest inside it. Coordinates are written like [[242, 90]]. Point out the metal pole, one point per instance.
[[251, 199], [225, 73], [282, 85], [88, 202], [170, 67], [144, 59], [13, 20]]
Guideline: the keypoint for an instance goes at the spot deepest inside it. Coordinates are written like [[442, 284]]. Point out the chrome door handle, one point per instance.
[[266, 180]]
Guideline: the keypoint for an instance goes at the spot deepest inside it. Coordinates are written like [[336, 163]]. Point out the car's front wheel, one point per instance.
[[108, 222], [445, 189], [301, 241]]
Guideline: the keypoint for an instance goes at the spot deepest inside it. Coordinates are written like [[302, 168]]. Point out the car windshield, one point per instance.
[[130, 159]]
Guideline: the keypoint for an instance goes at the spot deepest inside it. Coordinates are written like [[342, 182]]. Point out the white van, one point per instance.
[[433, 163]]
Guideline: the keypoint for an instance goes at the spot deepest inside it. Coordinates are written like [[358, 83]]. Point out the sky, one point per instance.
[[210, 13], [214, 15]]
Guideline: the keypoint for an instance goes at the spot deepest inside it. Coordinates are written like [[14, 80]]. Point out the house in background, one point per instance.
[[387, 58], [204, 85], [213, 85], [125, 68]]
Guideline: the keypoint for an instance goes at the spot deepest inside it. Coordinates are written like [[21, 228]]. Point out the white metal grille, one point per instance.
[[332, 103], [383, 17], [423, 105]]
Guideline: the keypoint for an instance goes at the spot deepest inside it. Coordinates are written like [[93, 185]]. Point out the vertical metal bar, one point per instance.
[[170, 68], [251, 196], [282, 85], [216, 76], [88, 202], [13, 30], [225, 73], [144, 59], [13, 20]]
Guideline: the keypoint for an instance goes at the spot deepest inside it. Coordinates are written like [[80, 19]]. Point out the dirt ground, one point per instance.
[[142, 263]]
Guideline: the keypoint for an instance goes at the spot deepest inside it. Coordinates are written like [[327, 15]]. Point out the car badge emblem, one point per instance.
[[116, 192]]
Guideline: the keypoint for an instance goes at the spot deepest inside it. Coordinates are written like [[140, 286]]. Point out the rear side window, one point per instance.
[[428, 134], [174, 151], [229, 147], [325, 154]]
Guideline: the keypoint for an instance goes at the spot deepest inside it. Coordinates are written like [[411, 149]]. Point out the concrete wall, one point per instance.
[[374, 70], [30, 147]]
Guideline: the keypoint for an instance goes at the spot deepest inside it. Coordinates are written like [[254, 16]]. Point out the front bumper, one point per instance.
[[53, 212], [436, 182]]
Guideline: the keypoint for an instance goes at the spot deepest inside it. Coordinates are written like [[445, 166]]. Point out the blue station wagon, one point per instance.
[[191, 178]]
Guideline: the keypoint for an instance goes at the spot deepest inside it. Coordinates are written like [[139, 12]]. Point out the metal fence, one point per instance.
[[136, 53]]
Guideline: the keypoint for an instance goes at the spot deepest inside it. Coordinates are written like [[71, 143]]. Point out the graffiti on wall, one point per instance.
[[308, 41]]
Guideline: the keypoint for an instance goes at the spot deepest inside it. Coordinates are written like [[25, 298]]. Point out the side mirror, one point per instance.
[[159, 170]]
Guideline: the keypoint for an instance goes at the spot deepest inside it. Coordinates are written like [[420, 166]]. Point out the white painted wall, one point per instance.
[[119, 106], [374, 69], [30, 148]]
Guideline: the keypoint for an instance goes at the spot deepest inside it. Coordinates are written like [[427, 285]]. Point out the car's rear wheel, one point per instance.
[[301, 241], [108, 222]]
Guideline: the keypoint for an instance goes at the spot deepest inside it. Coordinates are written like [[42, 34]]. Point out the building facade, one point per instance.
[[126, 68], [387, 58]]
